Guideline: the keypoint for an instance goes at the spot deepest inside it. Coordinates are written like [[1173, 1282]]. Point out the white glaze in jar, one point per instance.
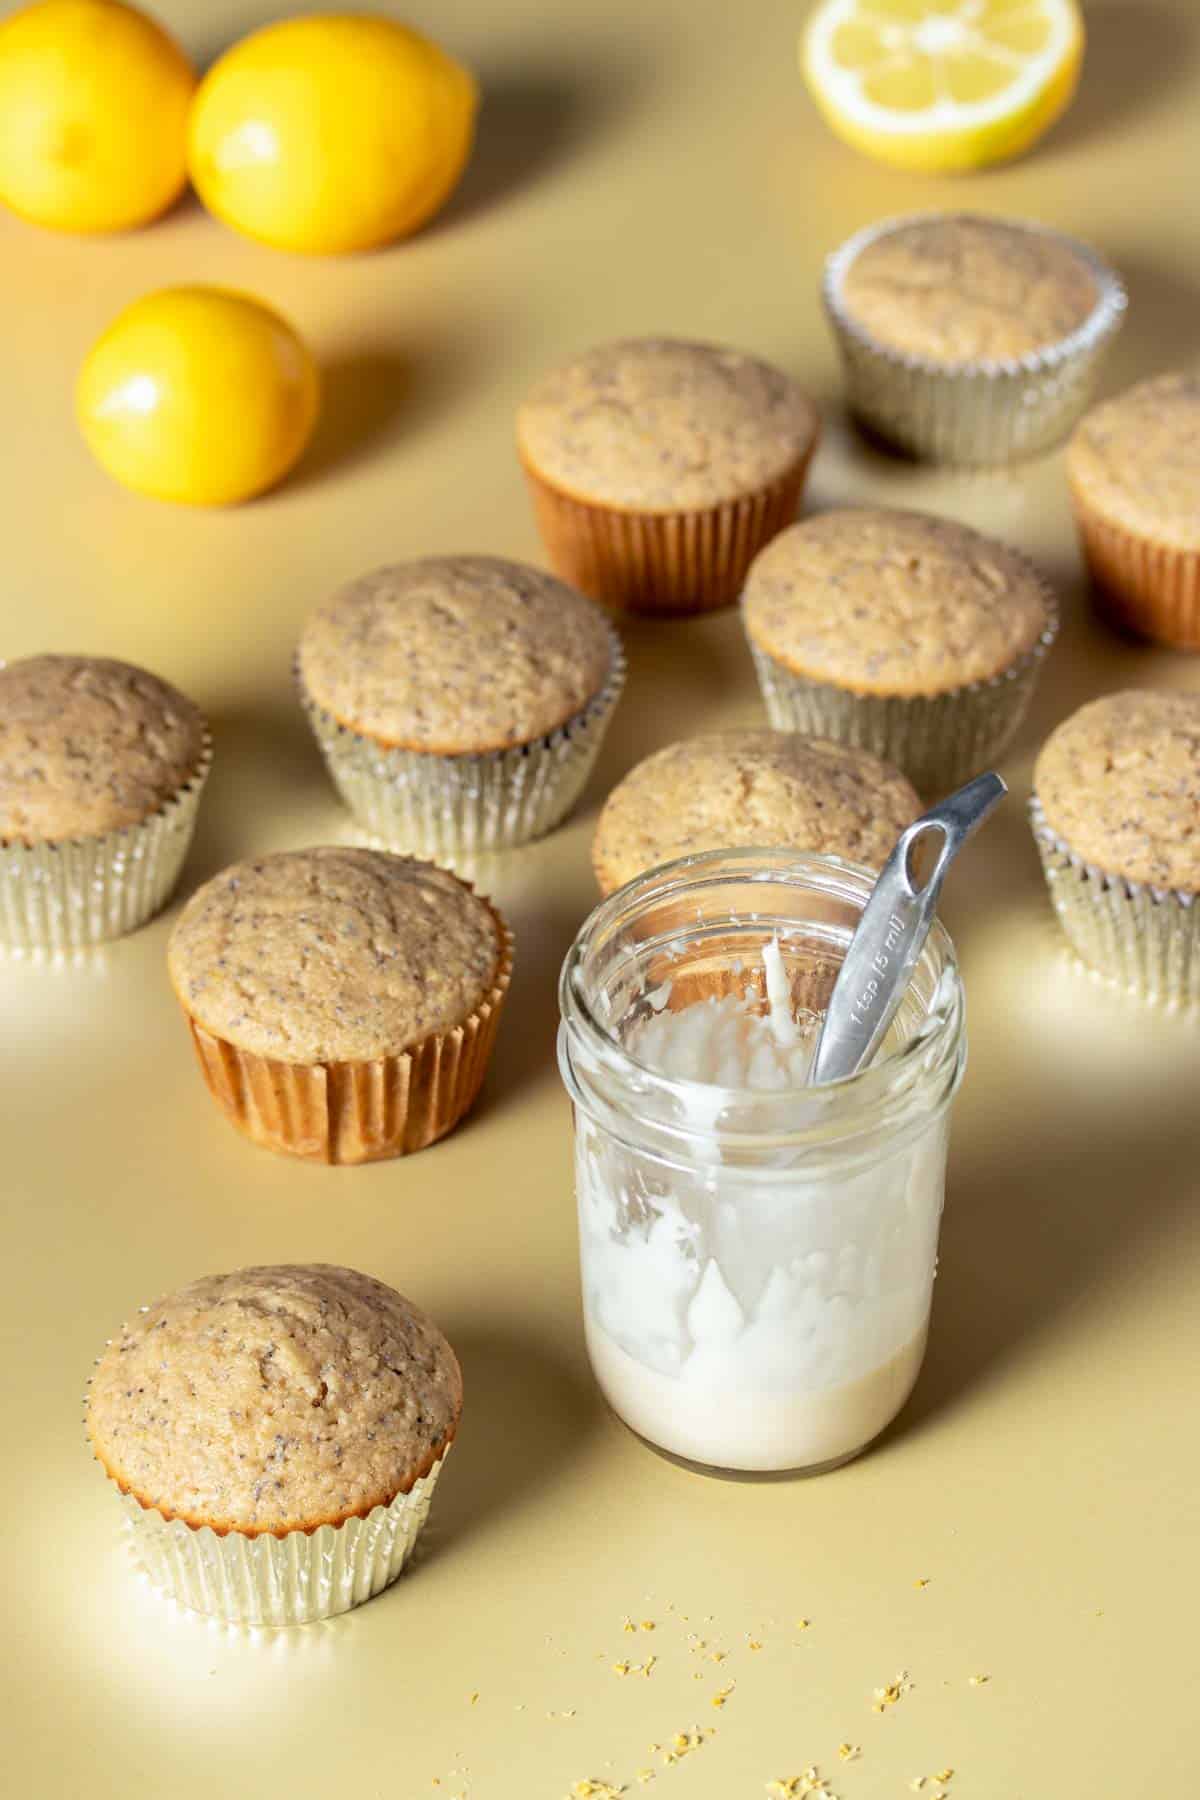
[[757, 1256]]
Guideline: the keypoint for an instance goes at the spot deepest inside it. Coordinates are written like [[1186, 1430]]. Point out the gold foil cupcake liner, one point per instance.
[[973, 414], [662, 562], [295, 1579], [356, 1112], [447, 806], [60, 897], [937, 740], [1149, 588], [1143, 939]]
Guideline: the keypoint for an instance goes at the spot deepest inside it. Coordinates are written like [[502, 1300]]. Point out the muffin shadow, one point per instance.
[[265, 760], [1161, 330], [526, 1417], [1093, 654], [692, 659], [526, 1050]]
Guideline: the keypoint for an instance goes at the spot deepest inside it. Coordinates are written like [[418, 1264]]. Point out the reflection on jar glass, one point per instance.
[[757, 1255]]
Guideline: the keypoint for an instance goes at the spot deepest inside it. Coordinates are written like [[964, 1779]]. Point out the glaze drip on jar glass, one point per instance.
[[757, 1254]]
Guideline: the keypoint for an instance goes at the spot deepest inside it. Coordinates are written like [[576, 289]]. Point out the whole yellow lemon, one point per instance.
[[94, 99], [332, 133], [198, 394]]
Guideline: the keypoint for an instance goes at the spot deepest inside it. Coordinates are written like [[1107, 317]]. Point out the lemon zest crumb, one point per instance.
[[888, 1696]]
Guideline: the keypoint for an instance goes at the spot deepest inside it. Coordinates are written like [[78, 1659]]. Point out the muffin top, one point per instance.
[[656, 425], [1136, 459], [886, 602], [274, 1399], [953, 288], [333, 955], [456, 654], [730, 790], [89, 745], [1119, 781]]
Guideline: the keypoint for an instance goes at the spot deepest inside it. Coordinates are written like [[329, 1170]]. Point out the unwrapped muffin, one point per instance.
[[343, 1003], [659, 467], [753, 790], [969, 339], [1134, 469], [905, 634], [1116, 816], [101, 770], [277, 1434], [460, 701]]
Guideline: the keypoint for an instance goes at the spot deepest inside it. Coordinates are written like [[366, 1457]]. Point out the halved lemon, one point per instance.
[[942, 85]]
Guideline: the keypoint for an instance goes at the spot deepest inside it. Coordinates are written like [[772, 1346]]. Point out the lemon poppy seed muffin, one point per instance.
[[970, 339], [1133, 465], [955, 288], [265, 1405], [90, 745], [455, 654], [460, 701], [342, 1002], [658, 466], [1119, 781], [910, 635], [1116, 815], [104, 759], [751, 789]]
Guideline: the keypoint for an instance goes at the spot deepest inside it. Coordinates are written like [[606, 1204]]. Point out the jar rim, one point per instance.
[[870, 1090]]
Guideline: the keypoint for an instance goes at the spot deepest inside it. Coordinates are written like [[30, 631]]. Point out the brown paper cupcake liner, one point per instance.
[[975, 414], [295, 1579], [1143, 939], [61, 897], [937, 740], [446, 806], [356, 1112], [1149, 588], [662, 562]]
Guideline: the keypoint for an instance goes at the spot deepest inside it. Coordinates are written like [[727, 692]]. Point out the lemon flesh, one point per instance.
[[942, 85]]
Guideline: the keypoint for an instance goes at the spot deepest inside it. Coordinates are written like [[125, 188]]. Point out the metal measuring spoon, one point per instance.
[[891, 932]]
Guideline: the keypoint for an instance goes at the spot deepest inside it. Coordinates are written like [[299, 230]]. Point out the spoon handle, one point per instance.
[[891, 932]]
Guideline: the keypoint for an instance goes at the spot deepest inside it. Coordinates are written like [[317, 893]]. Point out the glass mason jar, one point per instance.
[[757, 1265]]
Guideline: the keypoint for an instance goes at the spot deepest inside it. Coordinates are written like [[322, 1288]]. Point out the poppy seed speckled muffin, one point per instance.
[[658, 468], [343, 1003], [1116, 816], [970, 339], [908, 635], [751, 789], [278, 1433], [1134, 470], [460, 701], [101, 769]]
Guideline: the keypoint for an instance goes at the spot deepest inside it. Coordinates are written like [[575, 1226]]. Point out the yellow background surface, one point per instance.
[[641, 167]]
